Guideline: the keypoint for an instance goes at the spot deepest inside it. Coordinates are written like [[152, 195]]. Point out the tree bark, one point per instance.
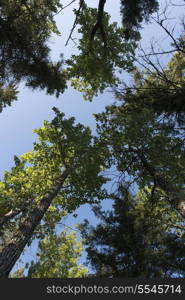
[[12, 251], [99, 23]]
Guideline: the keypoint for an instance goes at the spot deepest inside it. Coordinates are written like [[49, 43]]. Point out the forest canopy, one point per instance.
[[135, 159]]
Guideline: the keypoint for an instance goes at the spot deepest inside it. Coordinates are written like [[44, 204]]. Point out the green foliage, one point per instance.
[[160, 91], [99, 59], [145, 144], [131, 134], [18, 274], [61, 145], [7, 95], [134, 12], [25, 28], [143, 138], [58, 257], [135, 239]]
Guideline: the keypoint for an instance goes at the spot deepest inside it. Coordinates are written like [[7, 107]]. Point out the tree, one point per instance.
[[106, 49], [146, 144], [58, 257], [137, 238], [62, 172], [160, 86], [25, 28], [134, 12], [7, 95], [65, 168], [159, 90], [100, 55]]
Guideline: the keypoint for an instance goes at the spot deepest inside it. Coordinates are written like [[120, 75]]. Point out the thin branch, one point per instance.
[[65, 7], [178, 5], [158, 69], [75, 22], [68, 227], [158, 53], [170, 34], [143, 89]]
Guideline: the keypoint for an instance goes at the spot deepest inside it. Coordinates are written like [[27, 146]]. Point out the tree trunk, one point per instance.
[[12, 251]]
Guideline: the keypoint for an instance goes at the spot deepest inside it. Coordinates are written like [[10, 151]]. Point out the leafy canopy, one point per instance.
[[104, 47], [99, 60], [58, 257], [61, 145]]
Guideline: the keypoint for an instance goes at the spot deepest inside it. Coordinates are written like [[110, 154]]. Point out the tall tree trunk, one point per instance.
[[12, 251]]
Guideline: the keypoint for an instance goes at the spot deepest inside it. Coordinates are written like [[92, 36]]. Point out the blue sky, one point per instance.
[[28, 113]]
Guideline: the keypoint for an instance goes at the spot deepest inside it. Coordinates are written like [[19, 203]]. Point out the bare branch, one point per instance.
[[67, 5], [160, 19], [75, 22], [64, 7], [158, 53], [178, 5], [60, 223]]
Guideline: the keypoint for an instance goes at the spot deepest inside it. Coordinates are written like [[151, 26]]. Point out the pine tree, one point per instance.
[[25, 27], [135, 239]]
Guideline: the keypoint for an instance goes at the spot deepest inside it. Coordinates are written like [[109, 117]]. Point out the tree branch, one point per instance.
[[65, 7], [10, 215], [75, 21], [99, 23], [172, 192]]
